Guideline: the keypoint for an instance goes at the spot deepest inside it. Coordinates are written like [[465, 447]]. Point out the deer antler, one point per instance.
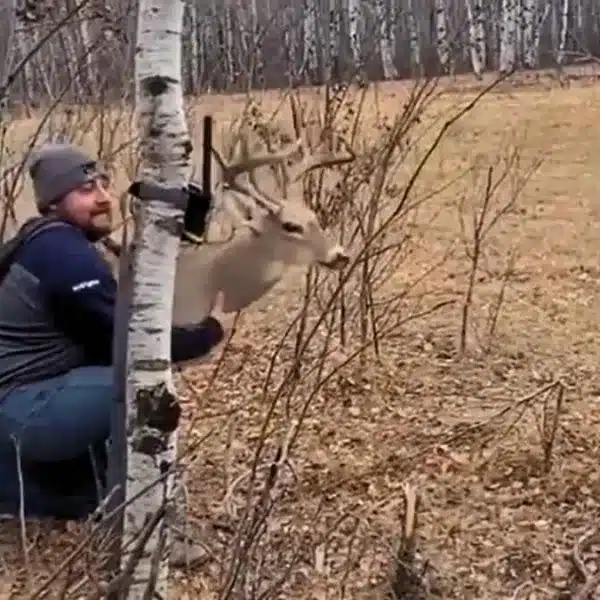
[[244, 164], [323, 159]]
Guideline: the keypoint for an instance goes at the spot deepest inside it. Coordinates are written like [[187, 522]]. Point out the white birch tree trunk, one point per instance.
[[414, 37], [507, 36], [290, 41], [476, 19], [310, 61], [196, 54], [354, 25], [90, 78], [8, 18], [229, 46], [256, 46], [518, 31], [333, 43], [564, 25], [527, 21], [385, 47], [22, 42], [441, 33], [152, 411]]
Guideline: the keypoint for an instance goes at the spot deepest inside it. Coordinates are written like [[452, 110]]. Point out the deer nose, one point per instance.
[[337, 259]]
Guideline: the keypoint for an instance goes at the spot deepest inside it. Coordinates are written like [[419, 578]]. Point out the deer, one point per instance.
[[271, 234]]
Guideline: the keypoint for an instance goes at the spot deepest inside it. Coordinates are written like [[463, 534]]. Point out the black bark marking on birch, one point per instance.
[[135, 306], [164, 466], [152, 330], [172, 226], [149, 443], [156, 85], [157, 408], [151, 364]]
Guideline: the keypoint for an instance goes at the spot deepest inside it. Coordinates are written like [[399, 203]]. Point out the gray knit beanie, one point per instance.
[[56, 169]]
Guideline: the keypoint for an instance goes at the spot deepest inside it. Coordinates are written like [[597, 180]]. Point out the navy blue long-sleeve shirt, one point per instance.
[[60, 276]]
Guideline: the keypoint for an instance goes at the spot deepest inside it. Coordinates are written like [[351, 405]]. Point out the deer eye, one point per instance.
[[291, 227]]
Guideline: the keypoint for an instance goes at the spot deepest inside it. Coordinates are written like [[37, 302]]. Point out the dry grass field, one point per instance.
[[502, 443]]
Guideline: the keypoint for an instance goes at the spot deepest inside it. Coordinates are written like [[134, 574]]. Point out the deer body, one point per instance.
[[244, 268], [272, 234], [252, 262]]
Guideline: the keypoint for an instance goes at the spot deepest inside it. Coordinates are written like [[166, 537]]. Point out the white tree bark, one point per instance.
[[165, 152], [8, 18], [23, 44], [229, 46], [195, 51], [290, 41], [256, 47], [355, 28], [476, 19], [310, 61], [507, 36], [564, 25], [528, 23], [414, 37], [385, 47], [441, 32], [90, 77], [333, 45]]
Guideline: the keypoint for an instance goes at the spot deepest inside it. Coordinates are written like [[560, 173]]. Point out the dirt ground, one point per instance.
[[504, 498]]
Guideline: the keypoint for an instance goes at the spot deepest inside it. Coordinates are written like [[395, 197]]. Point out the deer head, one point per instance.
[[274, 231]]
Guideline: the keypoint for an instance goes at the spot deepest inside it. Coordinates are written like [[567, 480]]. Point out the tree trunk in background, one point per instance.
[[385, 47], [226, 44], [527, 23], [228, 41], [537, 34], [564, 24], [152, 415], [311, 48], [354, 31], [476, 19], [8, 18], [507, 36], [415, 39], [441, 36]]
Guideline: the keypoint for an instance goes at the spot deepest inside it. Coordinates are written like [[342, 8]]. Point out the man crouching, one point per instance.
[[57, 312]]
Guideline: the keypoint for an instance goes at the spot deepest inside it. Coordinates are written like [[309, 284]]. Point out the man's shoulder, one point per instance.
[[55, 237], [58, 246]]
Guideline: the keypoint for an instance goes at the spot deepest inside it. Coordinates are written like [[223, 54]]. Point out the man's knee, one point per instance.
[[60, 418]]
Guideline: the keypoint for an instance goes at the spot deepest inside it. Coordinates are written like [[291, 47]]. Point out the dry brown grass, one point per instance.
[[491, 520]]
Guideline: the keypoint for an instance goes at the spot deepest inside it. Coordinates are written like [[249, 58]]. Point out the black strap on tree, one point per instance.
[[200, 199]]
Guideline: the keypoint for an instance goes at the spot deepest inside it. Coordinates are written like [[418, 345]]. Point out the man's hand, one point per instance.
[[225, 319]]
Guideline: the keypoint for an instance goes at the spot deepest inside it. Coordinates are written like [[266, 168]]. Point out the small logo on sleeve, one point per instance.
[[85, 285]]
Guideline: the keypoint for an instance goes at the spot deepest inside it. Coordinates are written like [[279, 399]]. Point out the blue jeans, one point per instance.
[[60, 427]]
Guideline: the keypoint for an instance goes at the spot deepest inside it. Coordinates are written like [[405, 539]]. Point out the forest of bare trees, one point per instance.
[[89, 46]]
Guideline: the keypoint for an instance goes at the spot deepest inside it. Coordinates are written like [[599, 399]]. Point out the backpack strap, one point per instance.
[[36, 225], [29, 230]]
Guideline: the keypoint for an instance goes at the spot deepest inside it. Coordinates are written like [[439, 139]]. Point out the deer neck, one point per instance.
[[258, 253], [245, 269]]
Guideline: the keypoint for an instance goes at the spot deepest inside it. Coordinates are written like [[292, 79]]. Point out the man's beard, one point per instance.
[[100, 226]]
